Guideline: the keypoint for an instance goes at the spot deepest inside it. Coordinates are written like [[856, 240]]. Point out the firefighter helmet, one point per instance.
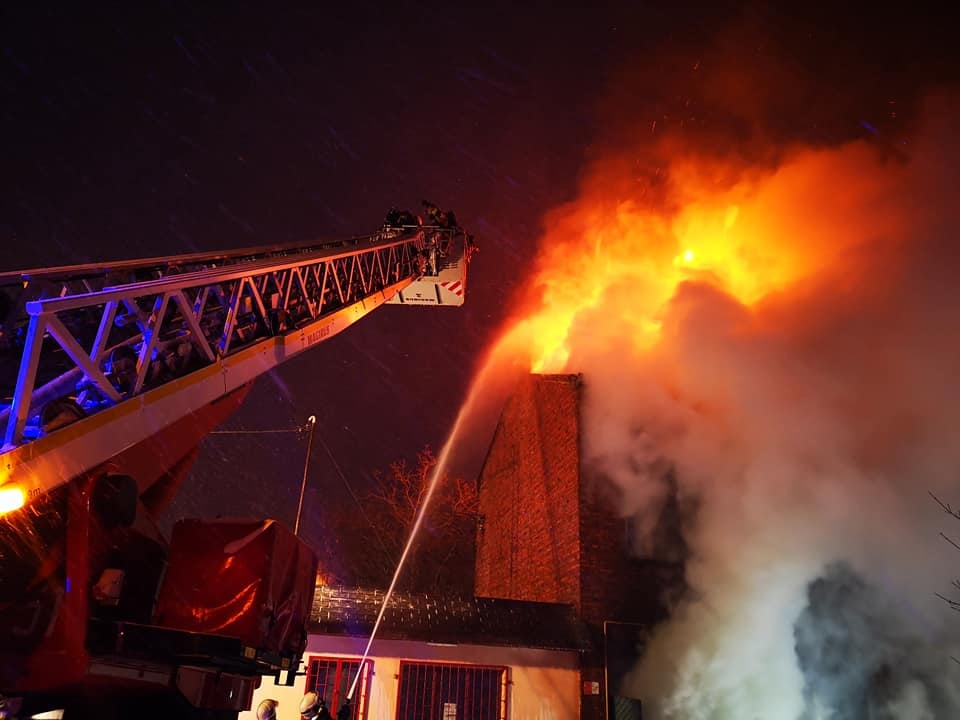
[[267, 710], [309, 704]]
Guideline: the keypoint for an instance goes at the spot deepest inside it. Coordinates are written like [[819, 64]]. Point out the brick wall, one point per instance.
[[529, 548], [551, 530], [614, 585], [602, 572]]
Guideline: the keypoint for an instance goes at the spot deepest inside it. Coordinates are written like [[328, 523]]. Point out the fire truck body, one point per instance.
[[121, 371]]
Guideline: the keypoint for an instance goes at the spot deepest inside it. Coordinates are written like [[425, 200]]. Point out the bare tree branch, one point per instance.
[[955, 604], [950, 541], [444, 548], [946, 506]]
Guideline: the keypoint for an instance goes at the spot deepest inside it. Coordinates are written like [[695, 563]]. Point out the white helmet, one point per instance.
[[309, 704], [267, 710]]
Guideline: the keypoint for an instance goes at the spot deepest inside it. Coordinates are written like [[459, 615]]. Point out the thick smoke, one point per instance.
[[804, 419], [761, 291], [789, 385], [840, 622]]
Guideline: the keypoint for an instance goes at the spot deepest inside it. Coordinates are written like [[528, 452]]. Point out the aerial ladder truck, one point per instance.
[[111, 375]]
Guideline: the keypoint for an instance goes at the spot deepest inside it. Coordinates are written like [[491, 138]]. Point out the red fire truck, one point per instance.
[[111, 374]]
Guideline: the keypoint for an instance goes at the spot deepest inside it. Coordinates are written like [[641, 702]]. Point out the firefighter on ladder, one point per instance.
[[421, 244]]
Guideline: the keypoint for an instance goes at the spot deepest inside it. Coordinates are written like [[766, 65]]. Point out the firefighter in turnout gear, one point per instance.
[[267, 710], [312, 707]]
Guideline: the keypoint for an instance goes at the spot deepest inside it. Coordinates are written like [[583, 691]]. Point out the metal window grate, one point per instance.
[[331, 678], [439, 691]]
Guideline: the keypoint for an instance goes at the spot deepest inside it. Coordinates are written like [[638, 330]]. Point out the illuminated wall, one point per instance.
[[529, 547], [542, 684]]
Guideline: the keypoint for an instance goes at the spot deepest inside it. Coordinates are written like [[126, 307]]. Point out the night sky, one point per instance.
[[136, 131]]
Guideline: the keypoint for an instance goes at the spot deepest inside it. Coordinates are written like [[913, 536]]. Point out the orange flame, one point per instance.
[[755, 236]]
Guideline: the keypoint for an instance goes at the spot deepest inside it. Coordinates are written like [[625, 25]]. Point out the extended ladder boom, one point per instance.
[[118, 351]]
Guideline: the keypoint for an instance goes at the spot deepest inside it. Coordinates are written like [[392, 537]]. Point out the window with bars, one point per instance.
[[331, 679], [440, 691]]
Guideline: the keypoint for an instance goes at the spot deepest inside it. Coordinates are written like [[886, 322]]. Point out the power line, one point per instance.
[[360, 507], [300, 429]]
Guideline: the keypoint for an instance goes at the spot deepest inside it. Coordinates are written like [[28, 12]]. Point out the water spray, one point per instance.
[[431, 487], [484, 399]]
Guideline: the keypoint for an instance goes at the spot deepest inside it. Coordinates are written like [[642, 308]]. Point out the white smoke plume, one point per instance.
[[789, 372], [805, 430]]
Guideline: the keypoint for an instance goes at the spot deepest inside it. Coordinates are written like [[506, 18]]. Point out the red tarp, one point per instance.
[[248, 579]]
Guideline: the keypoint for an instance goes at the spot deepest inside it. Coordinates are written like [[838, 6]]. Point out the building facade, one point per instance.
[[552, 532], [562, 603], [443, 658]]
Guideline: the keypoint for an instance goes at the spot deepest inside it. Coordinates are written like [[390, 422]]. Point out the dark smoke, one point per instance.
[[860, 660]]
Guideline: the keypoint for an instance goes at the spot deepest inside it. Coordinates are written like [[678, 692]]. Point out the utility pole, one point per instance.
[[312, 422]]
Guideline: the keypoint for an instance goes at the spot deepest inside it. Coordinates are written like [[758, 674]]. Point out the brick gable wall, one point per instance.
[[551, 529], [529, 547]]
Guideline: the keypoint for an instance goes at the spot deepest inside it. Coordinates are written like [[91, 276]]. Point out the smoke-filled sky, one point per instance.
[[736, 221]]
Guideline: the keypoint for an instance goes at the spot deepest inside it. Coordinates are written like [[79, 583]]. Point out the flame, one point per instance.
[[745, 332], [748, 238]]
